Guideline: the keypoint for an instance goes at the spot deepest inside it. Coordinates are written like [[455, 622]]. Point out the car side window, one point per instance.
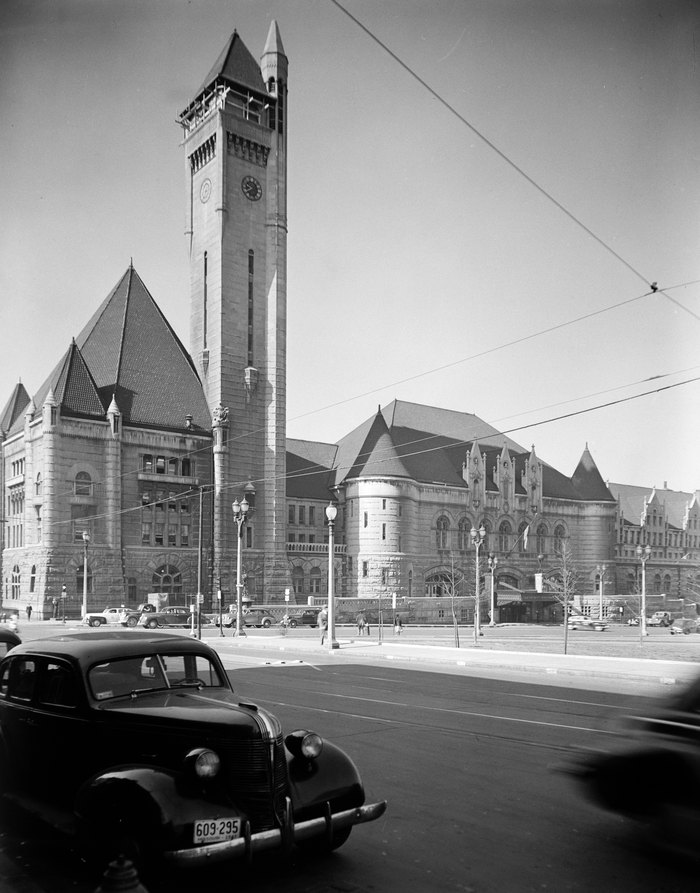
[[121, 677], [22, 679], [57, 687], [184, 669]]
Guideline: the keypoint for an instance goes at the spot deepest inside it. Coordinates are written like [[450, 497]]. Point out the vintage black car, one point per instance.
[[172, 615], [139, 744], [652, 772]]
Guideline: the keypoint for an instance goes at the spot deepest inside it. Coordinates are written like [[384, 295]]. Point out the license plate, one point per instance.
[[216, 830]]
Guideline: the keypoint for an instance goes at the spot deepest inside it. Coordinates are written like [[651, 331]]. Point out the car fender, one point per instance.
[[331, 777], [153, 805]]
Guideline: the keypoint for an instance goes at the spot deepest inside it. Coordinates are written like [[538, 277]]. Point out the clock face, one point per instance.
[[205, 190], [251, 188]]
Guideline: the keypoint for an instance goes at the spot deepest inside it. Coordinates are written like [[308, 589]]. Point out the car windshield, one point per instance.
[[135, 675]]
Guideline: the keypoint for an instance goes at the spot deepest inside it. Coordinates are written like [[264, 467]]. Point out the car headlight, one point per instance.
[[203, 763], [304, 744]]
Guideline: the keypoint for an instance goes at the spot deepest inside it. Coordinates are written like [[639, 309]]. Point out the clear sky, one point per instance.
[[423, 266]]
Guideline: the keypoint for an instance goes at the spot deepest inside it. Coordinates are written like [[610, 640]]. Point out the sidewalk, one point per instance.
[[562, 669]]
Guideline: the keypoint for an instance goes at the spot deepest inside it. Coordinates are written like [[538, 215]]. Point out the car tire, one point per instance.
[[266, 623], [151, 624], [292, 624], [131, 621], [95, 622]]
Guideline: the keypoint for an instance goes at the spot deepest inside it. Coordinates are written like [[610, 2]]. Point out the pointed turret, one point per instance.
[[13, 408], [274, 62], [588, 481], [378, 456]]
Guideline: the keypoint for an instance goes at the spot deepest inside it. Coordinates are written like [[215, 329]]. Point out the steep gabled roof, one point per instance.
[[309, 469], [128, 351], [377, 456], [588, 481], [14, 407], [234, 66], [632, 500], [74, 389]]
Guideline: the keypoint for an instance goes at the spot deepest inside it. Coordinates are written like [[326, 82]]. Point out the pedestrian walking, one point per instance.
[[398, 625], [323, 623], [29, 612], [360, 620]]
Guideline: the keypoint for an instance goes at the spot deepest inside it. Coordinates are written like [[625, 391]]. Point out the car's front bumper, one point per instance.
[[249, 844]]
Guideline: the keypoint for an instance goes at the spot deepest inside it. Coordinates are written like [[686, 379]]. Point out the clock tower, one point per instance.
[[235, 141]]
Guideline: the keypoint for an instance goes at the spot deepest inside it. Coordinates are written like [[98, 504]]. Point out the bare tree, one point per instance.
[[454, 582], [563, 584]]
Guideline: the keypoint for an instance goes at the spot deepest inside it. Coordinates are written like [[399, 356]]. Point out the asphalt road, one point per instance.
[[468, 767]]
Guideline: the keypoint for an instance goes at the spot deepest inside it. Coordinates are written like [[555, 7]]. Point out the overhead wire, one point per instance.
[[509, 161]]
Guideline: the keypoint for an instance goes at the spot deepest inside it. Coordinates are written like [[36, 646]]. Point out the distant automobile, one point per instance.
[[256, 617], [173, 615], [651, 772], [589, 623], [306, 618], [131, 617], [659, 618], [685, 626], [103, 618]]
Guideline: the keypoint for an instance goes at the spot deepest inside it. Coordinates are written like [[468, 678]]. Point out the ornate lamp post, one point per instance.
[[643, 555], [240, 513], [331, 512], [478, 537], [601, 568], [493, 564], [86, 543]]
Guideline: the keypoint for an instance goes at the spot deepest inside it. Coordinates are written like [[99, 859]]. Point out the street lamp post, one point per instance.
[[493, 564], [601, 568], [478, 537], [240, 513], [331, 512], [643, 555], [86, 543]]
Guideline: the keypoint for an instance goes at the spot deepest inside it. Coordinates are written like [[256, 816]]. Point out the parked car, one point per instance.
[[172, 615], [153, 755], [131, 617], [306, 618], [8, 639], [590, 623], [659, 618], [685, 626], [652, 772], [103, 618]]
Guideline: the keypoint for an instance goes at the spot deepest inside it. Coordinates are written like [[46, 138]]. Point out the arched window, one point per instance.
[[559, 537], [15, 582], [541, 539], [167, 579], [442, 584], [522, 537], [79, 579], [667, 584], [463, 538], [298, 580], [657, 584], [443, 533], [504, 534], [315, 581], [83, 484]]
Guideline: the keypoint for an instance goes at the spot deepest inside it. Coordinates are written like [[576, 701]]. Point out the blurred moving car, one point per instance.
[[652, 774], [172, 615], [8, 639], [152, 755], [659, 618], [131, 617], [685, 626], [589, 623]]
